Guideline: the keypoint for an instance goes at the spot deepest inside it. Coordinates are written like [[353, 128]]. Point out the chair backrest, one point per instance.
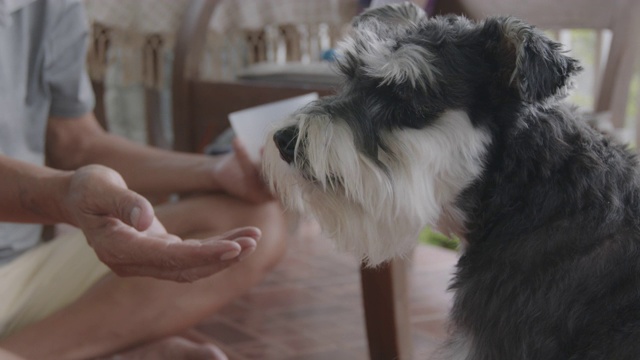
[[189, 46], [618, 16], [200, 106]]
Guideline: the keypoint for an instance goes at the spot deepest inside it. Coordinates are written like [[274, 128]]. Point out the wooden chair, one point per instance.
[[618, 16], [200, 112], [99, 109]]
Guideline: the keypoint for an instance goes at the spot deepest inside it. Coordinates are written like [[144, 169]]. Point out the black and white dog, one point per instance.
[[456, 124]]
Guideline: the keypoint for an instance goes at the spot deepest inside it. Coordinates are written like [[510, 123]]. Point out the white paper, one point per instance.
[[253, 124]]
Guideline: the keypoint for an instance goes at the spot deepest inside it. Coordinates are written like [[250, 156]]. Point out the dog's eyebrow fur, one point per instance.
[[390, 61], [392, 18], [375, 47], [403, 63]]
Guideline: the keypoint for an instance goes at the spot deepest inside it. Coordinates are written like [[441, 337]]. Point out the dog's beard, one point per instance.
[[371, 210]]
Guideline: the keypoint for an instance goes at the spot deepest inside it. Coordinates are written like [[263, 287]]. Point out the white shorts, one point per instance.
[[45, 279]]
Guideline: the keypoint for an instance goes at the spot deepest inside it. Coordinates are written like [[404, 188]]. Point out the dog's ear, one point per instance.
[[392, 18], [375, 47], [527, 59]]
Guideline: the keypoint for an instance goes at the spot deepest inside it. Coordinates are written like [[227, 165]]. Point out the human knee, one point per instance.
[[273, 221], [213, 215], [173, 347]]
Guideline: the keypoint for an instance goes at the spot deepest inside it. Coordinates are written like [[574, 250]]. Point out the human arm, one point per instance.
[[74, 142], [74, 138], [32, 194], [118, 223]]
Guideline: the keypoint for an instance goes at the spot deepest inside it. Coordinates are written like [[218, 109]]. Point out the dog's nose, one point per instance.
[[285, 140]]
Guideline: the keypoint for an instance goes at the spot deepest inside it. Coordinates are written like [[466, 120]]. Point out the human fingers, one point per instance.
[[171, 253], [134, 210], [130, 207], [194, 273], [98, 190], [120, 246], [252, 172], [250, 168], [246, 237], [247, 165], [156, 227], [246, 231]]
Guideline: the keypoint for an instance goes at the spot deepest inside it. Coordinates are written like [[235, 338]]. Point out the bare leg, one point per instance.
[[119, 313], [8, 356], [190, 345], [171, 348]]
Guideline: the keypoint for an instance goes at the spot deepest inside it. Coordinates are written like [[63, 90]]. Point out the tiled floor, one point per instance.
[[309, 307]]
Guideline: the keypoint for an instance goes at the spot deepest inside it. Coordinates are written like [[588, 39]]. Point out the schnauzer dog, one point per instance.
[[460, 125]]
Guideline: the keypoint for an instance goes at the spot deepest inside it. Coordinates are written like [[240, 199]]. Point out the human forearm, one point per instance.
[[79, 141], [72, 143], [154, 171], [150, 170], [31, 193]]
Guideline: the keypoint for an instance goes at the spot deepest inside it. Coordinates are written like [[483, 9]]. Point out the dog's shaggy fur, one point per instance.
[[456, 124]]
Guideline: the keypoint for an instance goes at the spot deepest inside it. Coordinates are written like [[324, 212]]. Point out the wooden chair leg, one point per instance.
[[386, 306]]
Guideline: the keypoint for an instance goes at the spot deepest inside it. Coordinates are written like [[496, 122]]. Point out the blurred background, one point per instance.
[[287, 41]]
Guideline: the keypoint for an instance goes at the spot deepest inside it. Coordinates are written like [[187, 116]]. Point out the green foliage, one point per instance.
[[427, 236]]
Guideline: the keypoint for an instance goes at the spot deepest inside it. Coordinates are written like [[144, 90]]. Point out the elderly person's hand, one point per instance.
[[236, 174], [121, 227]]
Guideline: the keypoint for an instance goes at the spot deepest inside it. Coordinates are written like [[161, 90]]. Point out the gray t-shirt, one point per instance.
[[42, 74]]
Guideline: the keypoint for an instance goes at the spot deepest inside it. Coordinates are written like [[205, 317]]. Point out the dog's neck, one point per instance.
[[542, 158]]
